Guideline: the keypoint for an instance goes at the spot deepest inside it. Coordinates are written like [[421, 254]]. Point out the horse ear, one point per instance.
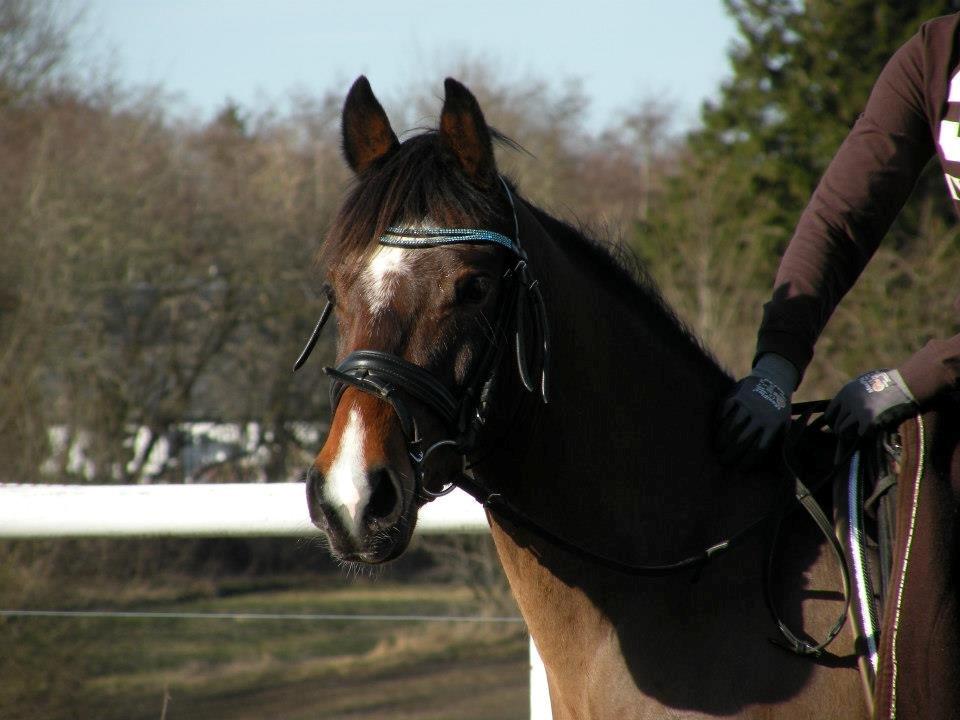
[[367, 135], [464, 132]]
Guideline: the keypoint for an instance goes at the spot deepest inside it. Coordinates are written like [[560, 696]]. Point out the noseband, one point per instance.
[[396, 381]]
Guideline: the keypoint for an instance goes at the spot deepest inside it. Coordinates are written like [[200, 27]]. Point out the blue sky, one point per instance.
[[207, 50]]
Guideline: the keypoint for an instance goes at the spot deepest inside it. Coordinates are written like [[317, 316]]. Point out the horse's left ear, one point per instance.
[[464, 132], [367, 135]]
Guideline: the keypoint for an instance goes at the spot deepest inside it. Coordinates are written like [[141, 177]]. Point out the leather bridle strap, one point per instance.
[[315, 335], [498, 504], [790, 641], [384, 372], [389, 378]]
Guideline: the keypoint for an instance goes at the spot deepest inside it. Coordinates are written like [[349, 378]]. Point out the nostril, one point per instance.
[[384, 499], [314, 491], [314, 482]]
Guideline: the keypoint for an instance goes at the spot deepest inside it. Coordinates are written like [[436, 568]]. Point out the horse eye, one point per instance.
[[474, 290]]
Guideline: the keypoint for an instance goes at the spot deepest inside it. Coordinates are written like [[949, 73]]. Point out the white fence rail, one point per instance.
[[211, 510], [201, 510]]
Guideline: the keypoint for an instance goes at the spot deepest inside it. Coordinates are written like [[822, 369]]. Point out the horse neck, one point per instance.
[[622, 457], [621, 463]]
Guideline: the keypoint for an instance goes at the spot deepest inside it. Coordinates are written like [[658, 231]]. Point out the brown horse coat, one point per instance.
[[919, 673]]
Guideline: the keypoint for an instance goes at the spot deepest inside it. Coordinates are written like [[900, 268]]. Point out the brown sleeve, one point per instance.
[[863, 189], [933, 369]]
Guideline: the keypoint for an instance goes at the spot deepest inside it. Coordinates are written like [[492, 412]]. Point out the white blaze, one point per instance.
[[386, 266], [347, 485]]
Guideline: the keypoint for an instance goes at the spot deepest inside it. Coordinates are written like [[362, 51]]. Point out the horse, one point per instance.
[[486, 344]]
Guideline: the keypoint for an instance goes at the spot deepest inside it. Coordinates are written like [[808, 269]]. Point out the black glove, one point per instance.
[[757, 412], [875, 399]]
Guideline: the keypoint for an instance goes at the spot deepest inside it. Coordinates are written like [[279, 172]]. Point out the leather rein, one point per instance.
[[393, 379]]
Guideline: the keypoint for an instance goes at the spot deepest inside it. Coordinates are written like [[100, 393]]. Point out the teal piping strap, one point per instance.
[[411, 237], [431, 237]]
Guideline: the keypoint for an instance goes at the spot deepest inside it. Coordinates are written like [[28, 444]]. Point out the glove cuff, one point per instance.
[[780, 371], [902, 384]]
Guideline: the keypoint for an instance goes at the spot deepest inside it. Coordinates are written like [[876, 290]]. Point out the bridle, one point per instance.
[[395, 380]]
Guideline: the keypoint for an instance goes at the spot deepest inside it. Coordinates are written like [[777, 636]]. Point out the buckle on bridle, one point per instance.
[[421, 470]]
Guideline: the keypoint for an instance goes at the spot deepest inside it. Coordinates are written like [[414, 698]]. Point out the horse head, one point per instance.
[[422, 260]]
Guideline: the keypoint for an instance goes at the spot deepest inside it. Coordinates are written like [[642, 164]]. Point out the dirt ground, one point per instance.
[[200, 669], [495, 689]]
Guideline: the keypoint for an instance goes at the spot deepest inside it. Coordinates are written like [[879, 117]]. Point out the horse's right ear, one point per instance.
[[464, 133], [367, 135]]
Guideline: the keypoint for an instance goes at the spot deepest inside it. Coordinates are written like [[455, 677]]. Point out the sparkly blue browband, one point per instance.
[[430, 237], [420, 237]]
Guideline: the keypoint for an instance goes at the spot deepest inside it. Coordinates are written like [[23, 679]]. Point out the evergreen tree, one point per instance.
[[802, 73]]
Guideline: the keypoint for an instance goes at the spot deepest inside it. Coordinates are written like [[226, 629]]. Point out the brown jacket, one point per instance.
[[913, 111]]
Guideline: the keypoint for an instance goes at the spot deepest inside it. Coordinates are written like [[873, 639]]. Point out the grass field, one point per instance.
[[175, 669]]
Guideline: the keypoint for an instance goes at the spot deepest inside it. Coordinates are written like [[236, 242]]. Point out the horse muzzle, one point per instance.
[[370, 523]]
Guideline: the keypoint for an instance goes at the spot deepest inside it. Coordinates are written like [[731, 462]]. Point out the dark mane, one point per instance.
[[622, 273]]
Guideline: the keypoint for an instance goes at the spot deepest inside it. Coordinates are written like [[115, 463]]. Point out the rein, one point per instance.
[[393, 379], [802, 493]]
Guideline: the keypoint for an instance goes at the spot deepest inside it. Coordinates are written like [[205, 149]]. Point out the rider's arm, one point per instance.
[[854, 204], [863, 189], [933, 369]]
